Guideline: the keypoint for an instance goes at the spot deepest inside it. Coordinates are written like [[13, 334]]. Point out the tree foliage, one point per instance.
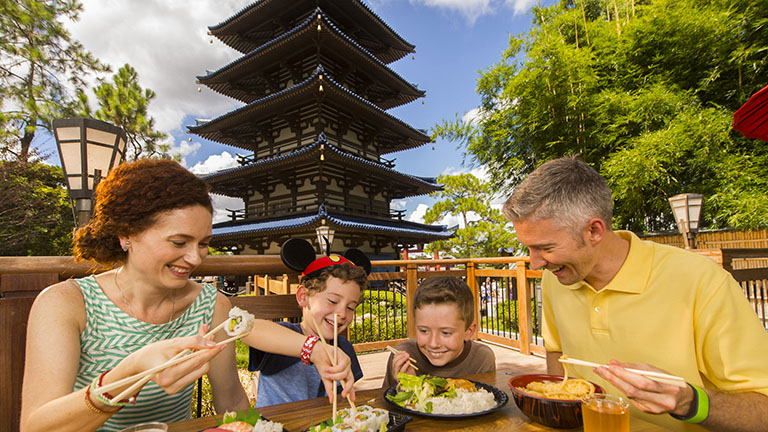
[[35, 212], [644, 91], [483, 231], [124, 103], [40, 69]]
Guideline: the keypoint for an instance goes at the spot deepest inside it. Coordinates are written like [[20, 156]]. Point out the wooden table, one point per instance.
[[297, 416]]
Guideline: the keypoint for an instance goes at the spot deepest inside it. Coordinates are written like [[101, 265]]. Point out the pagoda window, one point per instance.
[[306, 186], [359, 191]]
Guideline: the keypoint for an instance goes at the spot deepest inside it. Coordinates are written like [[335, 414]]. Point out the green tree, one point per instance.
[[40, 67], [483, 230], [35, 211], [124, 103], [644, 92]]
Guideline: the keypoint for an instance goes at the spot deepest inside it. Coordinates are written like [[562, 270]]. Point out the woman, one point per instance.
[[152, 220]]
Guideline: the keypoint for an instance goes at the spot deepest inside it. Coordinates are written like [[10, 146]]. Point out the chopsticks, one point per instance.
[[142, 378], [333, 358], [656, 376], [395, 351]]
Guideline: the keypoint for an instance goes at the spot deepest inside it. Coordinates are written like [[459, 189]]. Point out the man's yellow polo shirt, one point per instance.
[[666, 307]]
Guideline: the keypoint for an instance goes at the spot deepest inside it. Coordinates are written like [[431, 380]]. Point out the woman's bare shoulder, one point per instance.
[[62, 299]]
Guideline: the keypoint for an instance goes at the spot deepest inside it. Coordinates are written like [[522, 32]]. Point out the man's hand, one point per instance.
[[647, 395]]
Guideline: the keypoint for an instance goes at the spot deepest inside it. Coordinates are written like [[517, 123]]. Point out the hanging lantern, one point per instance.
[[322, 157], [319, 28], [321, 87]]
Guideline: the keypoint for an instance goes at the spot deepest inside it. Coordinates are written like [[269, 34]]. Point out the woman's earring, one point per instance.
[[126, 245]]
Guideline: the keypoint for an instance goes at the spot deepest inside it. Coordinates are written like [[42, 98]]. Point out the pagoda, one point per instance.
[[314, 81]]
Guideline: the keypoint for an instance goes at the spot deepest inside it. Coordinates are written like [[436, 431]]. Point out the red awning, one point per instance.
[[752, 118]]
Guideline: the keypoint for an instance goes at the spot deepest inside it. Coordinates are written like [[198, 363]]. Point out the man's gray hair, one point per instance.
[[565, 190]]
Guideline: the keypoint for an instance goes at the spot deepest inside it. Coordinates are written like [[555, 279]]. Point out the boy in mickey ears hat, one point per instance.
[[330, 286]]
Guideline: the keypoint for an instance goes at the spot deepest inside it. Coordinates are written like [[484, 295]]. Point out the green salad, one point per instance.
[[414, 391]]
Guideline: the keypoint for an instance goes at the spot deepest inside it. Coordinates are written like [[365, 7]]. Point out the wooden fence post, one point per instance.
[[17, 293], [523, 308], [472, 283], [411, 282]]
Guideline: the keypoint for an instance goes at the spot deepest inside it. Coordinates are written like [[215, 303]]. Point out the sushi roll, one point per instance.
[[240, 322]]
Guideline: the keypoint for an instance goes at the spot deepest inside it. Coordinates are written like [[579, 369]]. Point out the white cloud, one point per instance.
[[166, 42], [184, 149], [215, 163], [474, 9], [221, 204], [418, 214]]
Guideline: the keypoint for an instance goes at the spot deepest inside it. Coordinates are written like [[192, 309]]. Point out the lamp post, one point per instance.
[[89, 149], [325, 237], [686, 208]]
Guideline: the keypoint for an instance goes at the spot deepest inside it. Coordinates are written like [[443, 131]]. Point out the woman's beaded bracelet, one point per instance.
[[306, 349], [93, 407], [105, 397]]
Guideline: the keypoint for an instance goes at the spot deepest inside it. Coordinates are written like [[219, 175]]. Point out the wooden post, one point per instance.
[[267, 291], [17, 293], [472, 283], [523, 308], [411, 282], [256, 290], [286, 285]]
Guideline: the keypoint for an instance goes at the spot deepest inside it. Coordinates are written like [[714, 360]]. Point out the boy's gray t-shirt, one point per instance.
[[475, 358]]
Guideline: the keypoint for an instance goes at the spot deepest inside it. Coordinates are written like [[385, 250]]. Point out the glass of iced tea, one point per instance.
[[605, 413]]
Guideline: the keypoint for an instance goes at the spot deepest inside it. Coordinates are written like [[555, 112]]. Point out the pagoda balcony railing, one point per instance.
[[280, 209]]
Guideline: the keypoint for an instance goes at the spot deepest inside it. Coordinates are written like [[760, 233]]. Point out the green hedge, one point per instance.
[[374, 330]]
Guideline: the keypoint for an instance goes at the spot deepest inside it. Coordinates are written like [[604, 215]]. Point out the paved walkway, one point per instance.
[[374, 365]]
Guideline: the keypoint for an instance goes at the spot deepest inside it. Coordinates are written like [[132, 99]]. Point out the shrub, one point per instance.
[[374, 330]]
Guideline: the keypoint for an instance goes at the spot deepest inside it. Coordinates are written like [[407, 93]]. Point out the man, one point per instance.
[[610, 297]]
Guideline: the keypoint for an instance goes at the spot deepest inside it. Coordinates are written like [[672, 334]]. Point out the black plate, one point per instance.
[[213, 427], [500, 396], [396, 422]]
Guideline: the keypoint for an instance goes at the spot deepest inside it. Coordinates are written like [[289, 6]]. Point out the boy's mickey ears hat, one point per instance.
[[299, 255]]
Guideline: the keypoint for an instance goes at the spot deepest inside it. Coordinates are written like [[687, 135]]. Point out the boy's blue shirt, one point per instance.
[[287, 379]]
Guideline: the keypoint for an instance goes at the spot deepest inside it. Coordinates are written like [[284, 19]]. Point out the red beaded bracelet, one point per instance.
[[306, 350]]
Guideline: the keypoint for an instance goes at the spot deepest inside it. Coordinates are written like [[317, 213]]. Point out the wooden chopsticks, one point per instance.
[[656, 376], [332, 357], [395, 351]]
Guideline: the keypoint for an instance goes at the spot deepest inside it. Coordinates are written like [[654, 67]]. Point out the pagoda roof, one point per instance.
[[303, 38], [250, 27], [223, 128], [228, 181], [404, 230]]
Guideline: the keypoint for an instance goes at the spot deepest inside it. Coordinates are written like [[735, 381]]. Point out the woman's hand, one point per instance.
[[401, 363], [178, 376], [329, 373]]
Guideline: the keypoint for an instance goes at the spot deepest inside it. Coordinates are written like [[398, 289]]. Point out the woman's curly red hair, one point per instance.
[[128, 201]]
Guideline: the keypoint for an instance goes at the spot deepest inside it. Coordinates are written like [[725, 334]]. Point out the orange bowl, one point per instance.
[[555, 413]]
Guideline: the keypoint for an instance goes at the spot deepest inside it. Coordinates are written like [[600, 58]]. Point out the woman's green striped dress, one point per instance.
[[111, 334]]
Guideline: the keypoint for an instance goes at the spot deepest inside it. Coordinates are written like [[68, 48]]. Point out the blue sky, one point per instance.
[[166, 42]]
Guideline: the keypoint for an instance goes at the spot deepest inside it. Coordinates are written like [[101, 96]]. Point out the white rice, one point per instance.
[[465, 402], [267, 426]]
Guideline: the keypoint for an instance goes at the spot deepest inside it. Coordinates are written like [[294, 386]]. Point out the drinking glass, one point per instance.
[[605, 413], [147, 427]]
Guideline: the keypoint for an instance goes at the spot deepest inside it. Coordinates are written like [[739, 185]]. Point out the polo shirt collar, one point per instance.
[[636, 270]]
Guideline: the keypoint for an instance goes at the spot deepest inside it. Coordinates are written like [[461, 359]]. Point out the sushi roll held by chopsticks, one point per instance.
[[240, 322]]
